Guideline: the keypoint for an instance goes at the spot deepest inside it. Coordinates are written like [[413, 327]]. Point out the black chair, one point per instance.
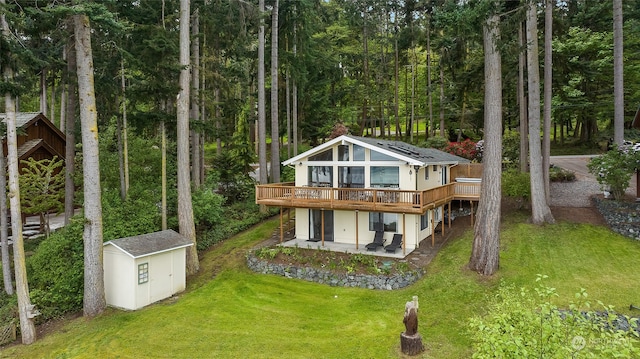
[[378, 241], [396, 243]]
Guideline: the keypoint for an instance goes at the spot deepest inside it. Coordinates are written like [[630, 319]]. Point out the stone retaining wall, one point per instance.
[[333, 279]]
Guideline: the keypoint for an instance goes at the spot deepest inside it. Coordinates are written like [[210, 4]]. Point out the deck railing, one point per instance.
[[366, 199], [466, 170]]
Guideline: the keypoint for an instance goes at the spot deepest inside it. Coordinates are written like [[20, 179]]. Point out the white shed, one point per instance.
[[144, 269]]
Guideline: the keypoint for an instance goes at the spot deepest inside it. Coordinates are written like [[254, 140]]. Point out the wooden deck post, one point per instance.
[[433, 228], [404, 233], [442, 219], [357, 229], [281, 227], [322, 225]]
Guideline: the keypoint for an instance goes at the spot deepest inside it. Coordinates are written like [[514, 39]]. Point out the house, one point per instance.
[[38, 138], [144, 269], [350, 187]]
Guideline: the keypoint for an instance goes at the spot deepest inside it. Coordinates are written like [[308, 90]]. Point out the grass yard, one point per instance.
[[238, 314]]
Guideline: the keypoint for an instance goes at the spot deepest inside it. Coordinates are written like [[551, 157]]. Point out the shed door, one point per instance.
[[160, 277]]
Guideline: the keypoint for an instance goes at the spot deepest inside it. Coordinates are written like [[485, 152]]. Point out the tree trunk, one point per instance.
[[522, 104], [195, 105], [618, 71], [396, 97], [94, 299], [185, 206], [430, 131], [546, 128], [10, 106], [70, 133], [442, 123], [485, 257], [43, 91], [541, 213], [262, 120], [275, 128], [4, 235], [123, 155]]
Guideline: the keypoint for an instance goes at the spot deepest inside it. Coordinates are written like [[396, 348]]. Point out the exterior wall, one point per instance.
[[167, 276], [344, 221], [345, 228], [120, 279]]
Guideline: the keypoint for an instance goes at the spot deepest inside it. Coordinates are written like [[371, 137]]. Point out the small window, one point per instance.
[[426, 173], [143, 273], [326, 155], [378, 156], [358, 153], [343, 152], [424, 221], [435, 168]]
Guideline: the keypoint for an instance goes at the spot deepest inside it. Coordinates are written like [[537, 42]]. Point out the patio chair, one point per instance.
[[396, 243], [378, 241]]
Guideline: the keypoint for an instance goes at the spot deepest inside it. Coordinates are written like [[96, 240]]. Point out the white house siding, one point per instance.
[[179, 262], [120, 279]]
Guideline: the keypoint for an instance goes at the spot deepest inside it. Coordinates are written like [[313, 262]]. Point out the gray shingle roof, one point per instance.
[[427, 155], [146, 244], [22, 118]]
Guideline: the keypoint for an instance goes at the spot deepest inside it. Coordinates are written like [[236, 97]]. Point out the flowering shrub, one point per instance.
[[613, 169], [466, 149], [338, 130]]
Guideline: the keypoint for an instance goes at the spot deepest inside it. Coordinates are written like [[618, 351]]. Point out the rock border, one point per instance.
[[621, 216], [323, 276]]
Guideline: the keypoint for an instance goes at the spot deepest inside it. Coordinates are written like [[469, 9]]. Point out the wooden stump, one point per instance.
[[411, 344]]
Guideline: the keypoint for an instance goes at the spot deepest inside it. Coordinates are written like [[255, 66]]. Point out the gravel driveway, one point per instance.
[[578, 193]]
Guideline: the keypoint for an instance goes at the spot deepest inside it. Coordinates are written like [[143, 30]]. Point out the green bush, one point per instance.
[[522, 324], [516, 184], [136, 215], [437, 142], [613, 170], [511, 149], [558, 174], [56, 272]]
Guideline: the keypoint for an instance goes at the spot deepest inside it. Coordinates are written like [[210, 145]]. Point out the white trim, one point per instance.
[[344, 138], [146, 254]]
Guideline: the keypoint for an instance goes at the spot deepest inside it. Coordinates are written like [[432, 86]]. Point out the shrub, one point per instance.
[[613, 169], [465, 149], [437, 142], [511, 149], [558, 174], [56, 272], [136, 215], [522, 324], [516, 184]]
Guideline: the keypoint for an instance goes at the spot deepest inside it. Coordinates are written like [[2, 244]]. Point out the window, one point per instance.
[[385, 177], [320, 176], [323, 156], [143, 273], [424, 221], [351, 177], [377, 156], [387, 222], [426, 173], [358, 153], [343, 152]]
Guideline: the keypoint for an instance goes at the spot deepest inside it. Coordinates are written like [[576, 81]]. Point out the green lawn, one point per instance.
[[238, 314]]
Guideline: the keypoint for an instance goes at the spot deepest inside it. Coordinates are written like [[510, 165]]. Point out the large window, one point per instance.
[[351, 177], [320, 176], [385, 177], [387, 222]]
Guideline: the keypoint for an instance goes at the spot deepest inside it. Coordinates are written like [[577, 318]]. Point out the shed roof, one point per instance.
[[401, 150], [151, 243]]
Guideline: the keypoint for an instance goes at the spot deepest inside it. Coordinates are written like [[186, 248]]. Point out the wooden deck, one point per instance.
[[366, 199]]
